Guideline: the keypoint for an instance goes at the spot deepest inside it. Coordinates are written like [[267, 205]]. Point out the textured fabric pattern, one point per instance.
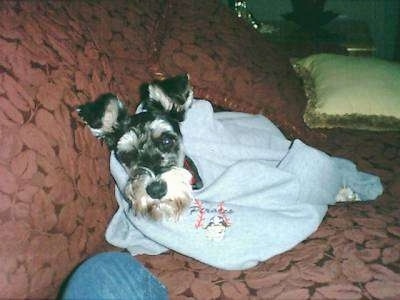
[[231, 64], [55, 190]]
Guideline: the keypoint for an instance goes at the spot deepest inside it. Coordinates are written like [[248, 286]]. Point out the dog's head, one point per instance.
[[148, 144]]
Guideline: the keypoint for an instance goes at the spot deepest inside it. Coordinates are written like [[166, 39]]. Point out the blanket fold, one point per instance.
[[262, 194]]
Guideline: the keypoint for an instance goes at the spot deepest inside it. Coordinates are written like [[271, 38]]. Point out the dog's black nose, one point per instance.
[[157, 189]]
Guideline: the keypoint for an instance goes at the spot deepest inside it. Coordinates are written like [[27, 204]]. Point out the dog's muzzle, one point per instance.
[[166, 195], [155, 187]]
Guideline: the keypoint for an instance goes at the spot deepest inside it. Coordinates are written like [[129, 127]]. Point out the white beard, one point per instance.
[[178, 197]]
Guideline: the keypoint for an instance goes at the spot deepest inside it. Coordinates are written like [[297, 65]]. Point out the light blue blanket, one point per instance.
[[262, 194]]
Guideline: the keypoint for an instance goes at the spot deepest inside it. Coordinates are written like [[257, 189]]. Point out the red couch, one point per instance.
[[56, 194]]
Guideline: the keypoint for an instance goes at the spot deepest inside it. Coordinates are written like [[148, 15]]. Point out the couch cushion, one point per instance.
[[351, 92]]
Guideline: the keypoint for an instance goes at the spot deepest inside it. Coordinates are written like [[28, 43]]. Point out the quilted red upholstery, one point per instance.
[[56, 195]]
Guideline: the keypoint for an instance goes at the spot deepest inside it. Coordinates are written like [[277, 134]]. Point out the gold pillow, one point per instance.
[[350, 92]]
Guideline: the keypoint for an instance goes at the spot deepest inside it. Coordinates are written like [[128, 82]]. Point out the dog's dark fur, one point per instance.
[[148, 144]]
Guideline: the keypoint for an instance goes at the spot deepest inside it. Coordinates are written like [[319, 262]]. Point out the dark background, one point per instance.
[[381, 16]]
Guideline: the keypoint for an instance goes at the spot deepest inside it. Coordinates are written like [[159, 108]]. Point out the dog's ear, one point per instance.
[[106, 117], [172, 95]]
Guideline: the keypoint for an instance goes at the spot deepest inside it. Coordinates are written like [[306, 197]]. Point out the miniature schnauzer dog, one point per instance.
[[149, 146]]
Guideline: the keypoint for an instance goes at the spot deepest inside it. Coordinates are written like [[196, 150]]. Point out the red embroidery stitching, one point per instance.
[[201, 217], [221, 211]]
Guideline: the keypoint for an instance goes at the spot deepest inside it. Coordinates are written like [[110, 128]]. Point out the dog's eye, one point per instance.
[[166, 142]]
